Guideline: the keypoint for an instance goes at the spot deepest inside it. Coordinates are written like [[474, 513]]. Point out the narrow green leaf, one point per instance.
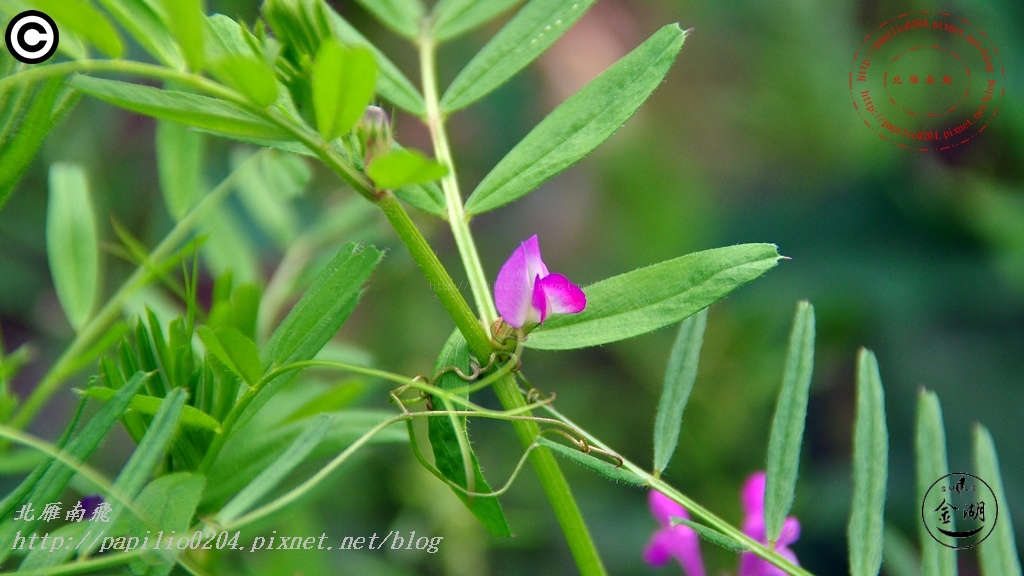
[[865, 533], [679, 378], [405, 167], [448, 450], [528, 35], [229, 247], [265, 188], [788, 425], [333, 399], [82, 19], [158, 436], [235, 350], [427, 197], [40, 558], [593, 463], [999, 551], [166, 504], [55, 476], [276, 472], [316, 317], [151, 449], [249, 75], [185, 21], [402, 16], [343, 84], [146, 26], [453, 18], [27, 114], [580, 123], [644, 300], [72, 244], [900, 556], [150, 405], [200, 111], [712, 535], [179, 162], [392, 85], [930, 449]]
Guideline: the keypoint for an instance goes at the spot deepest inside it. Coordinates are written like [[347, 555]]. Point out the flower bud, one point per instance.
[[374, 132]]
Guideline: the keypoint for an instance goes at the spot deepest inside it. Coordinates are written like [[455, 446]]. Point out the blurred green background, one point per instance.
[[918, 256]]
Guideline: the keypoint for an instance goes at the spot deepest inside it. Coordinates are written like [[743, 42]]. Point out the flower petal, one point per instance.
[[684, 546], [534, 263], [657, 551], [790, 532], [753, 494], [513, 290], [664, 509], [560, 296]]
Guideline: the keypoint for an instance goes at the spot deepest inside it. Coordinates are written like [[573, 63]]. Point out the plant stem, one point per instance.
[[457, 218], [551, 478]]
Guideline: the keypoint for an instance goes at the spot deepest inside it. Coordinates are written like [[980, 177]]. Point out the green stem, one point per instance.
[[436, 273], [92, 330], [551, 478], [457, 218]]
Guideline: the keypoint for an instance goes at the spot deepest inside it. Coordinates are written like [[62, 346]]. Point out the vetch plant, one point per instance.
[[219, 388]]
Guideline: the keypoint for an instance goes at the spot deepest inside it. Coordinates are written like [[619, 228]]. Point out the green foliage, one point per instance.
[[185, 21], [235, 350], [343, 84], [449, 440], [168, 504], [680, 375], [452, 18], [528, 35], [580, 123], [27, 114], [401, 168], [50, 479], [202, 112], [787, 434], [392, 85], [145, 25], [179, 158], [999, 551], [72, 244], [866, 531], [316, 317], [643, 300], [930, 449], [296, 452], [402, 16], [79, 17], [151, 406]]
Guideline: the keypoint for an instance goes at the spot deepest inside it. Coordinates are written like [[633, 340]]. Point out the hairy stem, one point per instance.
[[457, 218]]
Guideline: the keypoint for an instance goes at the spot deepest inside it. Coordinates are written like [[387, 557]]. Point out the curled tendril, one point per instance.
[[584, 446]]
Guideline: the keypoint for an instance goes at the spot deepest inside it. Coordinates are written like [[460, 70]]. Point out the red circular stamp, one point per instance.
[[927, 81]]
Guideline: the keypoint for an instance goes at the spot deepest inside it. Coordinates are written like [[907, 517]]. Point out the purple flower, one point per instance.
[[753, 526], [90, 503], [526, 293], [678, 541]]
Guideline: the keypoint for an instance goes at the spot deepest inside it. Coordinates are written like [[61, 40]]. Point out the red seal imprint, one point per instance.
[[927, 81]]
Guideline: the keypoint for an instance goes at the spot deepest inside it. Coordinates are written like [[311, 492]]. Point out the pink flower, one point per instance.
[[753, 526], [678, 541], [526, 293]]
